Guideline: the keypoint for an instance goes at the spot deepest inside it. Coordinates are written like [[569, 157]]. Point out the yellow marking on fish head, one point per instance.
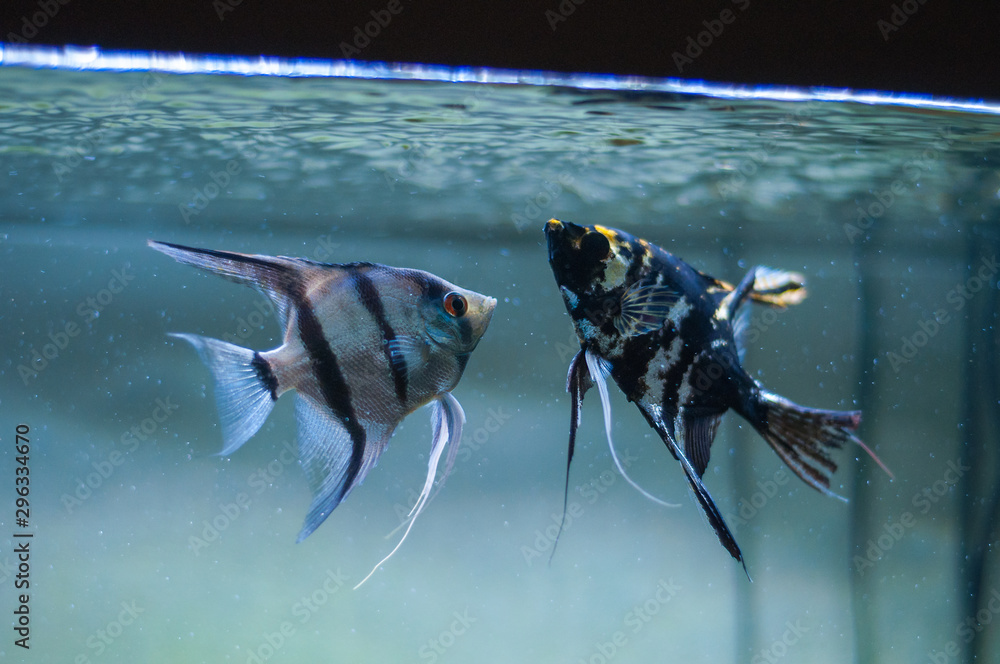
[[617, 263]]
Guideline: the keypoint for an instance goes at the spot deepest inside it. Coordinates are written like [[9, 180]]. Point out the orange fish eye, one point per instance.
[[455, 304]]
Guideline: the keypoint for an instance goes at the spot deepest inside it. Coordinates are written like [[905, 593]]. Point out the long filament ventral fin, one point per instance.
[[447, 418], [599, 373]]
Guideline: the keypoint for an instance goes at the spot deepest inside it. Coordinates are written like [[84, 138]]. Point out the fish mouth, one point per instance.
[[482, 318], [489, 304], [572, 232], [553, 229], [562, 236]]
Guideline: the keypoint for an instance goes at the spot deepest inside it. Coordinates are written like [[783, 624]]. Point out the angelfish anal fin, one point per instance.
[[702, 495], [325, 452], [699, 432]]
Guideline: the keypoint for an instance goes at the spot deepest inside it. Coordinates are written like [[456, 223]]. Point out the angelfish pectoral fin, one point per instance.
[[599, 371], [644, 308], [447, 419]]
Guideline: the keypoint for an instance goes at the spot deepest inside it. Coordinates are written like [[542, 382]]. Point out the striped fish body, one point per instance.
[[367, 315], [671, 330], [671, 338], [364, 345]]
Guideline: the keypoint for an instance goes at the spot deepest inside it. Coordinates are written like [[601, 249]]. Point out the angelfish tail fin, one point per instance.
[[245, 387], [802, 437]]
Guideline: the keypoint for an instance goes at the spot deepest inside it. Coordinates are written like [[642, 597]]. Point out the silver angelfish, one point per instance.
[[364, 346]]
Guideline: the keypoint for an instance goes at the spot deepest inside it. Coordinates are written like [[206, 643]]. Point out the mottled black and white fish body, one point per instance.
[[364, 345], [671, 338]]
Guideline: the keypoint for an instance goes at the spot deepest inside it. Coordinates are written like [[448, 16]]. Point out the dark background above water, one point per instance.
[[941, 47]]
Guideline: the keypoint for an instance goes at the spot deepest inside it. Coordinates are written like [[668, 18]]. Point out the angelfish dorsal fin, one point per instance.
[[644, 307], [778, 288], [741, 326], [275, 277], [731, 303]]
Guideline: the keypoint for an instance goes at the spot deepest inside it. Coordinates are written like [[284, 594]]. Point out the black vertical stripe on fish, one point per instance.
[[629, 374], [336, 393], [368, 294], [265, 375], [635, 268], [674, 377], [434, 290], [465, 330]]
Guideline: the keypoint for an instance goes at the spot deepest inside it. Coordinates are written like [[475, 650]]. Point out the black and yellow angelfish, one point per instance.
[[671, 338], [364, 345]]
